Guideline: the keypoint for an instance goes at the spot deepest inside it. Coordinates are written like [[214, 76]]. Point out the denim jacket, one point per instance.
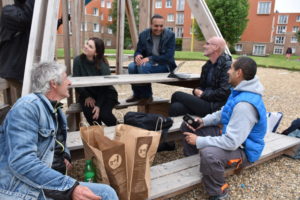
[[166, 48], [27, 141]]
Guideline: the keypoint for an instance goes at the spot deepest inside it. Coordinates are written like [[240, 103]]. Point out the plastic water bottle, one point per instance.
[[89, 172]]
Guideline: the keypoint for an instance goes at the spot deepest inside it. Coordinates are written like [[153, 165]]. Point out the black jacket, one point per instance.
[[217, 89], [15, 26]]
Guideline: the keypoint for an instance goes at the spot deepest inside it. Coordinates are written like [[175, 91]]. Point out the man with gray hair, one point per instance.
[[28, 144]]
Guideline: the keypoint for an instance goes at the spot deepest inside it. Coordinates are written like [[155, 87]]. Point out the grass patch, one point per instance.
[[274, 61]]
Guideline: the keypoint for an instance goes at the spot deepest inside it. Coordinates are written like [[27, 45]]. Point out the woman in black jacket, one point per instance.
[[96, 102]]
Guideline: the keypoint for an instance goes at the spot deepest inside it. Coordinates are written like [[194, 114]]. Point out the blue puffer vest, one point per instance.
[[254, 143]]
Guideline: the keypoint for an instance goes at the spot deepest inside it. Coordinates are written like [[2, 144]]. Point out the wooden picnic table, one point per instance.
[[89, 81]]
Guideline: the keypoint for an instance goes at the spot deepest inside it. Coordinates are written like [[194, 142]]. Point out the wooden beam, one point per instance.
[[66, 31], [145, 15], [35, 42], [205, 20], [131, 22], [50, 32], [76, 23], [120, 35]]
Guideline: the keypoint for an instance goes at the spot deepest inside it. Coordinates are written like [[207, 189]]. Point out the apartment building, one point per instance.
[[96, 23], [267, 31]]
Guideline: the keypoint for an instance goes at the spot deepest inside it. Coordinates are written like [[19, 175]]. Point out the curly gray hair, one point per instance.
[[43, 73]]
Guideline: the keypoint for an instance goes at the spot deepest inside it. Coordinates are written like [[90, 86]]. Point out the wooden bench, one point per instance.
[[178, 176]]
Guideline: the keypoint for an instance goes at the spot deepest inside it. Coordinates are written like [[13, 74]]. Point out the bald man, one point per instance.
[[213, 89]]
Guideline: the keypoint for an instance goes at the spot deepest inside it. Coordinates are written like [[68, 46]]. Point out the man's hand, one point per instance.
[[201, 124], [138, 59], [198, 92], [96, 112], [68, 165], [84, 193], [190, 138], [89, 102]]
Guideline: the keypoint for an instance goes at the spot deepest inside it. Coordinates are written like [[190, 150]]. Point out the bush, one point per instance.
[[178, 44]]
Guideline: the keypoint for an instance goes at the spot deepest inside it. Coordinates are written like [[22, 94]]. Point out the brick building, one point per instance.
[[267, 31]]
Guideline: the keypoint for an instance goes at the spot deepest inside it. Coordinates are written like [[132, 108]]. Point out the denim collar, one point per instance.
[[46, 101]]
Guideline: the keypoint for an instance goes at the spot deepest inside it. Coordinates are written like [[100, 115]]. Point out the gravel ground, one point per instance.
[[275, 179]]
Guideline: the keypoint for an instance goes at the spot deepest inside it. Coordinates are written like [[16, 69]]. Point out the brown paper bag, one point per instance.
[[140, 147], [108, 157]]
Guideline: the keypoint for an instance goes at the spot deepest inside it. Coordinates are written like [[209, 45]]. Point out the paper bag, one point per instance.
[[108, 157], [140, 147]]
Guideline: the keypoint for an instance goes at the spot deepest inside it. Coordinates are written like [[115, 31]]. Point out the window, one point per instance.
[[279, 40], [95, 27], [293, 50], [108, 4], [259, 49], [281, 29], [283, 19], [180, 5], [109, 31], [95, 12], [239, 47], [170, 28], [102, 4], [278, 50], [83, 26], [101, 16], [109, 18], [179, 32], [295, 29], [180, 18], [170, 18], [102, 29], [108, 43], [298, 18], [264, 8], [158, 4], [294, 39], [168, 3]]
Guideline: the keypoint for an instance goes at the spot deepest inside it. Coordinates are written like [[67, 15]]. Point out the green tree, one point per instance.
[[113, 25], [230, 16], [298, 36]]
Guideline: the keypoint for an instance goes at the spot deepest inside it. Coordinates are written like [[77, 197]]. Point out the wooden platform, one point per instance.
[[175, 177], [89, 81]]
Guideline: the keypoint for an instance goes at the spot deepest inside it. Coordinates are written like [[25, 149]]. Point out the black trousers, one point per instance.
[[183, 103], [106, 116]]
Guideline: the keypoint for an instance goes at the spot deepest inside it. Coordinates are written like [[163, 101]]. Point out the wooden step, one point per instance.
[[76, 108], [178, 176]]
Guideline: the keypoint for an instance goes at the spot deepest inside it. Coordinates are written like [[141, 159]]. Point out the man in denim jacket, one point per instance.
[[154, 54], [27, 143]]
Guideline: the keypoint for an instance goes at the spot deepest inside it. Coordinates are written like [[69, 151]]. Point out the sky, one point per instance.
[[284, 6]]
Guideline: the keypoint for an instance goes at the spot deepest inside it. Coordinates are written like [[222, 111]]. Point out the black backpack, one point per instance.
[[149, 121]]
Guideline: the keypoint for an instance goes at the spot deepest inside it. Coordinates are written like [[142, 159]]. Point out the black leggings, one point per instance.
[[106, 116], [183, 103]]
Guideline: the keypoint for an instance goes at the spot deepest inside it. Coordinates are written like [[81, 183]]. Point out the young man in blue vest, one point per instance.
[[241, 140]]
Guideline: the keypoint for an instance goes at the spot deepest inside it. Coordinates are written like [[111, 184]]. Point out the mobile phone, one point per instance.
[[191, 121]]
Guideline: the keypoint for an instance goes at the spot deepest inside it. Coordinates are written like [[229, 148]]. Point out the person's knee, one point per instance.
[[108, 193], [145, 68], [132, 68], [175, 96], [209, 157]]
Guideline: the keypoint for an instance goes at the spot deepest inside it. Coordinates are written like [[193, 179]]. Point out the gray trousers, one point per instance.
[[214, 160]]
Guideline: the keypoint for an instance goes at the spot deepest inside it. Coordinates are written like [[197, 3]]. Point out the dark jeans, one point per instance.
[[183, 103], [106, 116]]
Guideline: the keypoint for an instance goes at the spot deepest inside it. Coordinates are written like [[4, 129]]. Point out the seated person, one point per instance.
[[154, 54], [213, 89], [27, 143], [97, 102], [241, 140]]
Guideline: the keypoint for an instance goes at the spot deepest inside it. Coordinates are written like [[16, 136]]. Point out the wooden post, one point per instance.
[[76, 27], [35, 42], [66, 31], [120, 35], [132, 24], [145, 15], [205, 20]]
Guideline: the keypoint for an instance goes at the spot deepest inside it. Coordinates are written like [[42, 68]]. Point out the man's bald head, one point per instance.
[[220, 42]]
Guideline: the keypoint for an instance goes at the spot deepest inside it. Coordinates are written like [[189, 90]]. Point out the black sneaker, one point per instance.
[[223, 196], [132, 99]]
